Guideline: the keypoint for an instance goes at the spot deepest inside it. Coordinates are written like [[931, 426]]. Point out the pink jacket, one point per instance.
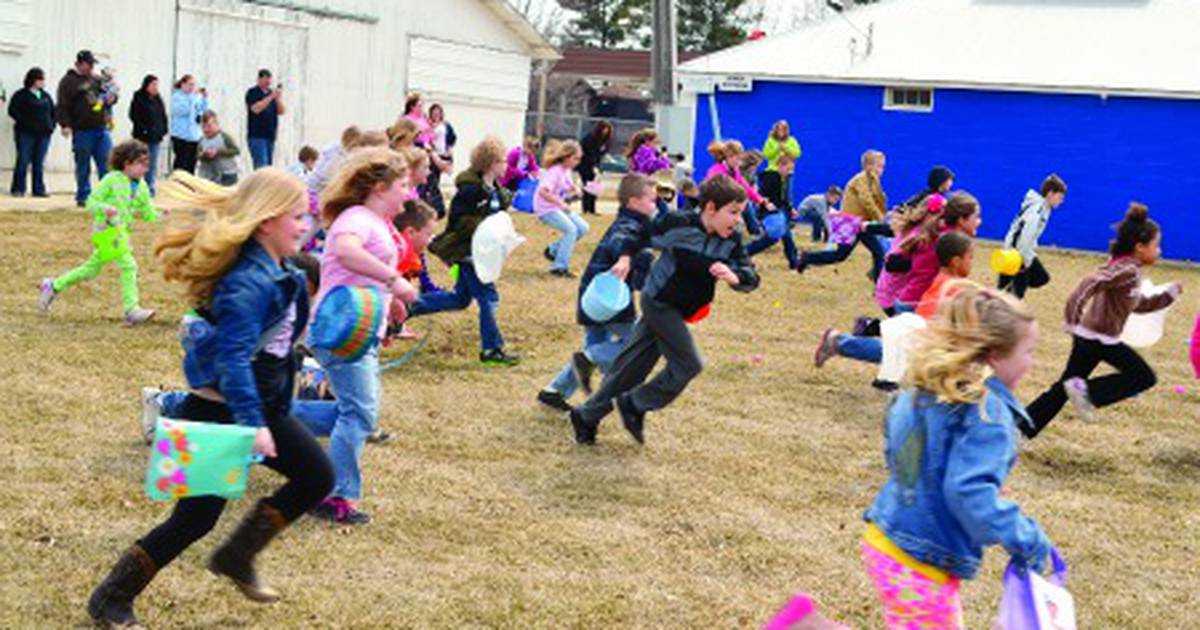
[[1195, 347], [890, 283], [721, 169], [521, 164]]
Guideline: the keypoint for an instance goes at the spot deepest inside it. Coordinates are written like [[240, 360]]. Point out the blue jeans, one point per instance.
[[31, 153], [904, 307], [601, 344], [750, 218], [89, 145], [867, 349], [151, 176], [573, 227], [261, 151], [789, 247], [819, 223], [467, 288], [356, 385], [318, 415]]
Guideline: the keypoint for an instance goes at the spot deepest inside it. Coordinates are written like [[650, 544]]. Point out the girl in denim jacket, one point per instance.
[[950, 442]]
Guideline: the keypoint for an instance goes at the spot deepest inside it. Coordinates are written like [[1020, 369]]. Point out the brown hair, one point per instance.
[[951, 245], [368, 139], [487, 154], [834, 189], [417, 214], [559, 152], [722, 150], [643, 136], [208, 115], [126, 152], [183, 79], [1137, 228], [350, 135], [411, 101], [721, 190], [689, 188], [414, 157], [1053, 184], [777, 131], [308, 153], [403, 134], [950, 359], [363, 170], [632, 185]]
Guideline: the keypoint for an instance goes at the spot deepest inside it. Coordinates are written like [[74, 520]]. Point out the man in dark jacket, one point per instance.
[[32, 109], [80, 114], [697, 251], [478, 197], [623, 252]]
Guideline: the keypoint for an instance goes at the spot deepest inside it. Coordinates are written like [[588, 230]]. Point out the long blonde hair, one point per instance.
[[358, 176], [198, 254], [559, 152], [971, 324]]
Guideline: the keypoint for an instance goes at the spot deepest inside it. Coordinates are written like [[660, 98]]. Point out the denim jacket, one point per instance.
[[222, 342], [941, 503]]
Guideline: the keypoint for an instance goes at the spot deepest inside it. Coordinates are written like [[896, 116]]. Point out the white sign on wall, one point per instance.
[[735, 83]]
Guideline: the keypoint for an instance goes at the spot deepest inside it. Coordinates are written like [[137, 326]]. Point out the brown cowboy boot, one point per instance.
[[235, 558], [111, 604]]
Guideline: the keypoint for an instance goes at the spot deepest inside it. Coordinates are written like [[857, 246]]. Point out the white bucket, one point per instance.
[[1143, 330]]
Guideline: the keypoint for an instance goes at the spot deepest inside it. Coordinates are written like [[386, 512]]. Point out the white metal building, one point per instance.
[[340, 62]]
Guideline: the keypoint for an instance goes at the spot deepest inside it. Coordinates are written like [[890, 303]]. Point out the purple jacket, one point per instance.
[[648, 160]]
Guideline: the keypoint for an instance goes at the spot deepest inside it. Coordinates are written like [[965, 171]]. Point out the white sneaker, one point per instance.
[[150, 411], [1077, 391], [46, 298], [138, 316]]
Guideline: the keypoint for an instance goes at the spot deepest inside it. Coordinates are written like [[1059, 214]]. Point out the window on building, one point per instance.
[[908, 99]]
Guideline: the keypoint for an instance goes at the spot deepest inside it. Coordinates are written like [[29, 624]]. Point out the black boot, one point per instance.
[[235, 558], [111, 604]]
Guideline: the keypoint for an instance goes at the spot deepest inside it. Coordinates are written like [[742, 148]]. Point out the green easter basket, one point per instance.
[[111, 243], [192, 459]]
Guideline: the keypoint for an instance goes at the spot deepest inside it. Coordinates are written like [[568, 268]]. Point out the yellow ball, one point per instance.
[[1006, 262]]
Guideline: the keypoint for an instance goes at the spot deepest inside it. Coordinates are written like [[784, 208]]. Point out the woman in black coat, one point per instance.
[[595, 147], [149, 116], [33, 110]]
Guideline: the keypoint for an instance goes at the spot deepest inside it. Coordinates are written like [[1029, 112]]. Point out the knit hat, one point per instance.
[[938, 176]]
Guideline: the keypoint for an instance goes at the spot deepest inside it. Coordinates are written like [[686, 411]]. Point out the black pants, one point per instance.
[[660, 333], [1133, 377], [589, 200], [301, 459], [185, 155], [1032, 277]]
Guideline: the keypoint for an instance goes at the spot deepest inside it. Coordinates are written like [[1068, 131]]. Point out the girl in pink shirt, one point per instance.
[[728, 155], [362, 250], [961, 214], [414, 110], [551, 205], [909, 227]]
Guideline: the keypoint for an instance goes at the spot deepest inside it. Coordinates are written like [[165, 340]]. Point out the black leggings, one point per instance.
[[185, 155], [1133, 377], [1032, 277], [301, 459], [589, 200]]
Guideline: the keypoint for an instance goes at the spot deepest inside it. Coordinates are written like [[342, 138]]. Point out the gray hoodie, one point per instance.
[[1027, 228]]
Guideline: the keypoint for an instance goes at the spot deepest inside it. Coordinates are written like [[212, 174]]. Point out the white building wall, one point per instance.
[[335, 72]]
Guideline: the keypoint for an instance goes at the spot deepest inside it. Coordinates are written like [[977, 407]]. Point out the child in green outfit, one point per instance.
[[119, 197]]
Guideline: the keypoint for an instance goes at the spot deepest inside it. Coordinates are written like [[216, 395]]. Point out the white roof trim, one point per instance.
[[539, 47], [1117, 47]]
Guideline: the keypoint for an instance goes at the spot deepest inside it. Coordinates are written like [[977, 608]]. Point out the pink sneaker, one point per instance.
[[827, 348], [138, 316], [801, 614], [1077, 391]]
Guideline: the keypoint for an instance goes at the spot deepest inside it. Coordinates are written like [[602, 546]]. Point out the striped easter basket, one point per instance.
[[347, 321]]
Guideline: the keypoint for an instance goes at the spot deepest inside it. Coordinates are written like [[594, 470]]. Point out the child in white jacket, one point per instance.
[[1025, 231]]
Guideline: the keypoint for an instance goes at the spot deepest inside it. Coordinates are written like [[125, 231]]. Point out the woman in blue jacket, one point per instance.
[[234, 266], [188, 104], [950, 443]]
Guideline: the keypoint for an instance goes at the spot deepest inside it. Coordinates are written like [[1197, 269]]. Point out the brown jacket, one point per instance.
[[77, 98], [1103, 300], [865, 198]]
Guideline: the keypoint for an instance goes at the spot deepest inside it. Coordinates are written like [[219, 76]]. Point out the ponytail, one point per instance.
[[1136, 229]]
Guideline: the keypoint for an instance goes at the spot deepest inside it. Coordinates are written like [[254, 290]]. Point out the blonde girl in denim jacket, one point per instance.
[[951, 440]]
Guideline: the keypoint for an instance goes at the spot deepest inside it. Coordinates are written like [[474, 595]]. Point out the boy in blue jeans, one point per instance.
[[622, 252], [478, 197], [698, 249]]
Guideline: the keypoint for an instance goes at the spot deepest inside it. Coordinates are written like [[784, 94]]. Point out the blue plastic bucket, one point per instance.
[[605, 297], [775, 225], [523, 199]]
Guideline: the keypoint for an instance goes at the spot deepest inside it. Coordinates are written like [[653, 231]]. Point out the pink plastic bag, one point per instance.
[[1032, 602]]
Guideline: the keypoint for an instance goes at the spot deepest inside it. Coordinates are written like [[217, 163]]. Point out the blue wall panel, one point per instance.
[[999, 144]]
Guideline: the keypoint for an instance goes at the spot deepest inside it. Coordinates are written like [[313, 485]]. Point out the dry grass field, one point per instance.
[[486, 514]]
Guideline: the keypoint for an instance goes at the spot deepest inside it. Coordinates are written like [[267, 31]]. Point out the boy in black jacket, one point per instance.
[[623, 251], [772, 186], [697, 250]]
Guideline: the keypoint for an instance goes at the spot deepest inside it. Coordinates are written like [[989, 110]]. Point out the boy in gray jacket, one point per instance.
[[1025, 231], [698, 249], [217, 152]]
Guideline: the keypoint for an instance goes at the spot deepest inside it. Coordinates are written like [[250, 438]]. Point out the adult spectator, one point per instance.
[[149, 116], [32, 109], [781, 142], [264, 106], [188, 104], [80, 115], [595, 147]]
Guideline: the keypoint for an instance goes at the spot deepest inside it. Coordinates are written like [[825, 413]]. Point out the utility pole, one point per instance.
[[663, 56]]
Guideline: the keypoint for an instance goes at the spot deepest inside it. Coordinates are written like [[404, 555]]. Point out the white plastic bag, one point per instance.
[[896, 335], [494, 240]]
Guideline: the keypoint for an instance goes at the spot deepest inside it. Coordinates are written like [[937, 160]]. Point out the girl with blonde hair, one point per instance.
[[951, 440], [551, 204], [362, 250], [250, 306], [728, 157]]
